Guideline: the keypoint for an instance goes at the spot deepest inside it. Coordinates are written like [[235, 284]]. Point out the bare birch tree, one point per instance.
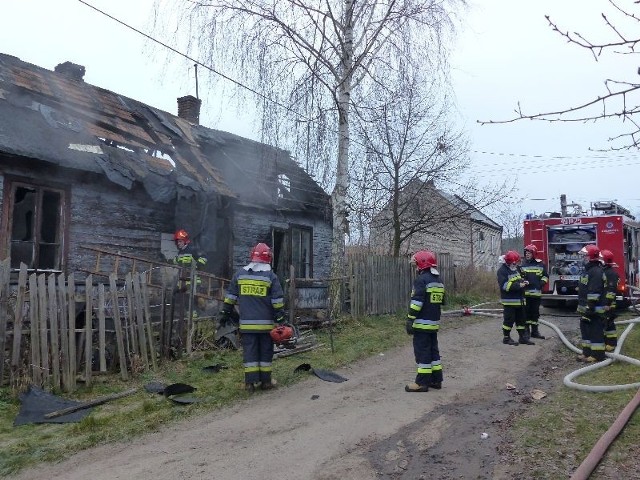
[[307, 58]]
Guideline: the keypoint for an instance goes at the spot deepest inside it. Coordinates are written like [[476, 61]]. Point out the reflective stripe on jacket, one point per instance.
[[259, 297]]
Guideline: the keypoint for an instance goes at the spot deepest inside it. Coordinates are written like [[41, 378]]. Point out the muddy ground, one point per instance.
[[365, 428]]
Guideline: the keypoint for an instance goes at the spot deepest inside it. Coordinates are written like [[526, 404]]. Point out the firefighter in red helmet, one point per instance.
[[260, 299], [423, 322], [613, 279], [591, 305], [512, 287], [534, 272], [187, 254]]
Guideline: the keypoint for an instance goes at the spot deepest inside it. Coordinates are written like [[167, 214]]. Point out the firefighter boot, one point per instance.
[[535, 333], [523, 338], [414, 387], [507, 340], [269, 385]]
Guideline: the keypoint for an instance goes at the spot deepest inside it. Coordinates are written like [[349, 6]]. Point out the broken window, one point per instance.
[[301, 253], [293, 247], [36, 225], [284, 185]]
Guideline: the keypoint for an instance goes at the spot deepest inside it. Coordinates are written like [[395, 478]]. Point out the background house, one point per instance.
[[449, 226], [81, 166]]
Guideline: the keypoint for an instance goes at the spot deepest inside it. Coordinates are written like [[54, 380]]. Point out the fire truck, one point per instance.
[[560, 236]]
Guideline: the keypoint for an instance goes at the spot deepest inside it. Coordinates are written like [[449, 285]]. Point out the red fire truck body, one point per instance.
[[559, 239]]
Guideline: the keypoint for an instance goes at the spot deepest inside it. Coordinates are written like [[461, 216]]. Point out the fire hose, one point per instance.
[[588, 465]]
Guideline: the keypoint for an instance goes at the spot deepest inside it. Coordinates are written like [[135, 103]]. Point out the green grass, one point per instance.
[[554, 436]]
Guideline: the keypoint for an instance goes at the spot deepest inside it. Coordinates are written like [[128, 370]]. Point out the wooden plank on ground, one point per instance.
[[117, 323], [17, 324], [53, 324], [92, 403]]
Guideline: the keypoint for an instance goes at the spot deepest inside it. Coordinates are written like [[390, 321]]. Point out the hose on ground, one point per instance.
[[588, 465]]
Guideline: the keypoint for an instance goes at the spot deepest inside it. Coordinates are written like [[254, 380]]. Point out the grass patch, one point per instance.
[[553, 437]]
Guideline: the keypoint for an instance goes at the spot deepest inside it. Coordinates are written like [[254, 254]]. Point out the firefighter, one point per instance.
[[591, 305], [259, 296], [187, 254], [613, 279], [512, 287], [534, 272], [423, 322]]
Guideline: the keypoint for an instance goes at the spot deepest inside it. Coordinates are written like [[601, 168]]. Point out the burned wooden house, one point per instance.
[[84, 170]]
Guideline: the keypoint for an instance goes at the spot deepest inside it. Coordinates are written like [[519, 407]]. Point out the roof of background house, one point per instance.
[[472, 211], [56, 117]]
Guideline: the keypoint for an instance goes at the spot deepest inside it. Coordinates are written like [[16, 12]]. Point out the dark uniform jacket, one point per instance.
[[591, 290], [613, 279], [189, 254], [259, 298], [427, 298], [536, 274], [511, 293]]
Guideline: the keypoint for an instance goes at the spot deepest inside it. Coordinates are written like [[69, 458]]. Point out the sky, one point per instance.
[[505, 53]]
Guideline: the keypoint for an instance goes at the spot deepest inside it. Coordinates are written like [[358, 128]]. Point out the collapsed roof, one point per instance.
[[56, 117]]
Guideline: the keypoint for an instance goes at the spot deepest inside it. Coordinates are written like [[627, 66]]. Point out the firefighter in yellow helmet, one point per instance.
[[187, 255]]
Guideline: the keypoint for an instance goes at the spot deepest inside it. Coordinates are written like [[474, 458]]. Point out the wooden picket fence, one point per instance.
[[54, 332], [381, 284]]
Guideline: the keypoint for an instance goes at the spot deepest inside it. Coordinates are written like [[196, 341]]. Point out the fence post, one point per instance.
[[17, 324]]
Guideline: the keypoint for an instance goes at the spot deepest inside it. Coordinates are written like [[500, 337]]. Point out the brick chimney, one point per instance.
[[189, 108], [71, 70]]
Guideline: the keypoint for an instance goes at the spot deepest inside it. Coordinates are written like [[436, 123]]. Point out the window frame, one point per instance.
[[309, 263], [11, 184]]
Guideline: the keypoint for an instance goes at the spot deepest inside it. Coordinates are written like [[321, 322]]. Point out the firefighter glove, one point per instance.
[[280, 317], [409, 327]]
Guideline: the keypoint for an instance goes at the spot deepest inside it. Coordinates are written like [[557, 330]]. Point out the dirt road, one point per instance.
[[365, 428]]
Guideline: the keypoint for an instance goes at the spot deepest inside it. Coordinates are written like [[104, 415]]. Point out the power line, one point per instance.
[[198, 62], [552, 157]]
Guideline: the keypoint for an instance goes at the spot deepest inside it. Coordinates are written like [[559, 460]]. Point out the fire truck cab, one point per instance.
[[560, 236]]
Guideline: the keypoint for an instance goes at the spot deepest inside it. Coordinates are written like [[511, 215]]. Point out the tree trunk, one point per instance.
[[339, 194]]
